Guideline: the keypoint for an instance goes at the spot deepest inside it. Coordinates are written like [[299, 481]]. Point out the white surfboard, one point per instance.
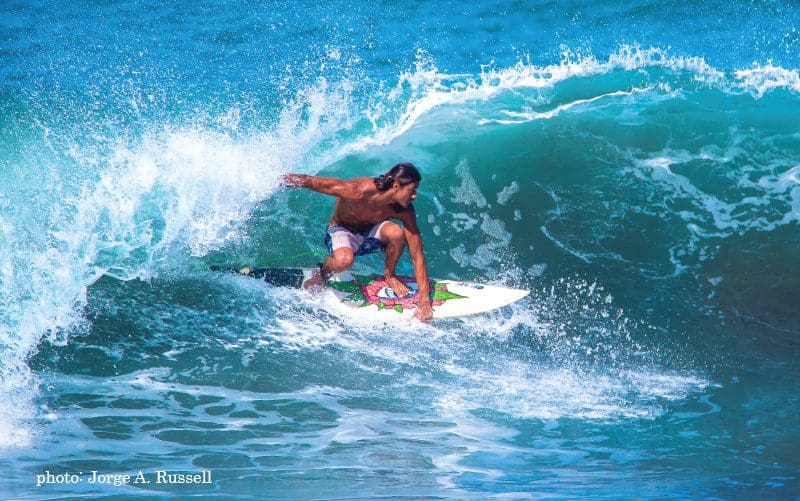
[[449, 298]]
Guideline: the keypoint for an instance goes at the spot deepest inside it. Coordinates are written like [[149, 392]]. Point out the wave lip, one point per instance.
[[530, 89]]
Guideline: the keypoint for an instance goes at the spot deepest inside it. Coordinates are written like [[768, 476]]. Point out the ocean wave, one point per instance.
[[133, 203]]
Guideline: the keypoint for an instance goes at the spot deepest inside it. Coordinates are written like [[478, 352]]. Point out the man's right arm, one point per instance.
[[327, 185]]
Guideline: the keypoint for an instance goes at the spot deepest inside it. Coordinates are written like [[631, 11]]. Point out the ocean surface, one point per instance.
[[635, 164]]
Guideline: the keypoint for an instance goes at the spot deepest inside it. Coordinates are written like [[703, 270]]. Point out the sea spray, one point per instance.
[[146, 203]]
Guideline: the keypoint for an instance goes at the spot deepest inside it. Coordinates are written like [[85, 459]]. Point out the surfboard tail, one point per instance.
[[280, 277]]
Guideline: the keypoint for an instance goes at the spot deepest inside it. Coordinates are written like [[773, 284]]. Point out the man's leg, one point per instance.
[[342, 245], [392, 235], [341, 260]]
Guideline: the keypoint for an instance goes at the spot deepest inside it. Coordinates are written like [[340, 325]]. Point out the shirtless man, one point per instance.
[[360, 225]]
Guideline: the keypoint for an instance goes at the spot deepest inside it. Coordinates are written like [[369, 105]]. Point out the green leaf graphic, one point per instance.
[[356, 296], [441, 295], [381, 305], [398, 308], [364, 279]]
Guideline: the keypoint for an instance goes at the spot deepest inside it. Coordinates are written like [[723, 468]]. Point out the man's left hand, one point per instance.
[[294, 180], [424, 312]]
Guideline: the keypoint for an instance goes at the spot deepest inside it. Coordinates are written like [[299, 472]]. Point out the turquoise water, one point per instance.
[[636, 165]]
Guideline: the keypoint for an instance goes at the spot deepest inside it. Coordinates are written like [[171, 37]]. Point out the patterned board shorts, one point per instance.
[[360, 243]]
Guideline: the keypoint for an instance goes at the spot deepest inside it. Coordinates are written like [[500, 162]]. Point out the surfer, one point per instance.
[[361, 224]]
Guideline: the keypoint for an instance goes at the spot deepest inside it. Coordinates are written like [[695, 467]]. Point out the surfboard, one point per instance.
[[449, 298]]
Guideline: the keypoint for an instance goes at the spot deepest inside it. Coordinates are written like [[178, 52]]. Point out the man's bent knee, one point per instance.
[[392, 233], [342, 259]]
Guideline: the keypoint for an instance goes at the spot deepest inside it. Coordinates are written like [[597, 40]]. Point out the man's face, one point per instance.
[[406, 194]]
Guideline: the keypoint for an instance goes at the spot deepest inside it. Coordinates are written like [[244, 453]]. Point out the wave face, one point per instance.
[[637, 166]]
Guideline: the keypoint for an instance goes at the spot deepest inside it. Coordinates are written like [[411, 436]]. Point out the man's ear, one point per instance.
[[396, 185]]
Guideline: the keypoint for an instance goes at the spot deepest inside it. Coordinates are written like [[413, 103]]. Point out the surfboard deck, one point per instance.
[[449, 298]]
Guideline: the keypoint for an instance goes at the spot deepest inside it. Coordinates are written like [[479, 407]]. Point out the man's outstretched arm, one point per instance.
[[328, 185]]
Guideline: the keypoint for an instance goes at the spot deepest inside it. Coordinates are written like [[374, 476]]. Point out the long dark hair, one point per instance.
[[404, 173]]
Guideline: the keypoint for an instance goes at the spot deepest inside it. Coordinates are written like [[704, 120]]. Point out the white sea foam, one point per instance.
[[16, 385], [506, 193], [762, 79], [561, 392], [468, 193]]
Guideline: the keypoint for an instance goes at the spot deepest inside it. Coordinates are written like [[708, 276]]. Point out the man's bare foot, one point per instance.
[[400, 289], [315, 282], [318, 278]]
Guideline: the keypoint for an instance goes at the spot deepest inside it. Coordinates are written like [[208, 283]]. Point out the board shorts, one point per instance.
[[365, 242]]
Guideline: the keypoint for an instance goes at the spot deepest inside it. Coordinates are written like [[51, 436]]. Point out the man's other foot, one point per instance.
[[315, 282], [400, 289]]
